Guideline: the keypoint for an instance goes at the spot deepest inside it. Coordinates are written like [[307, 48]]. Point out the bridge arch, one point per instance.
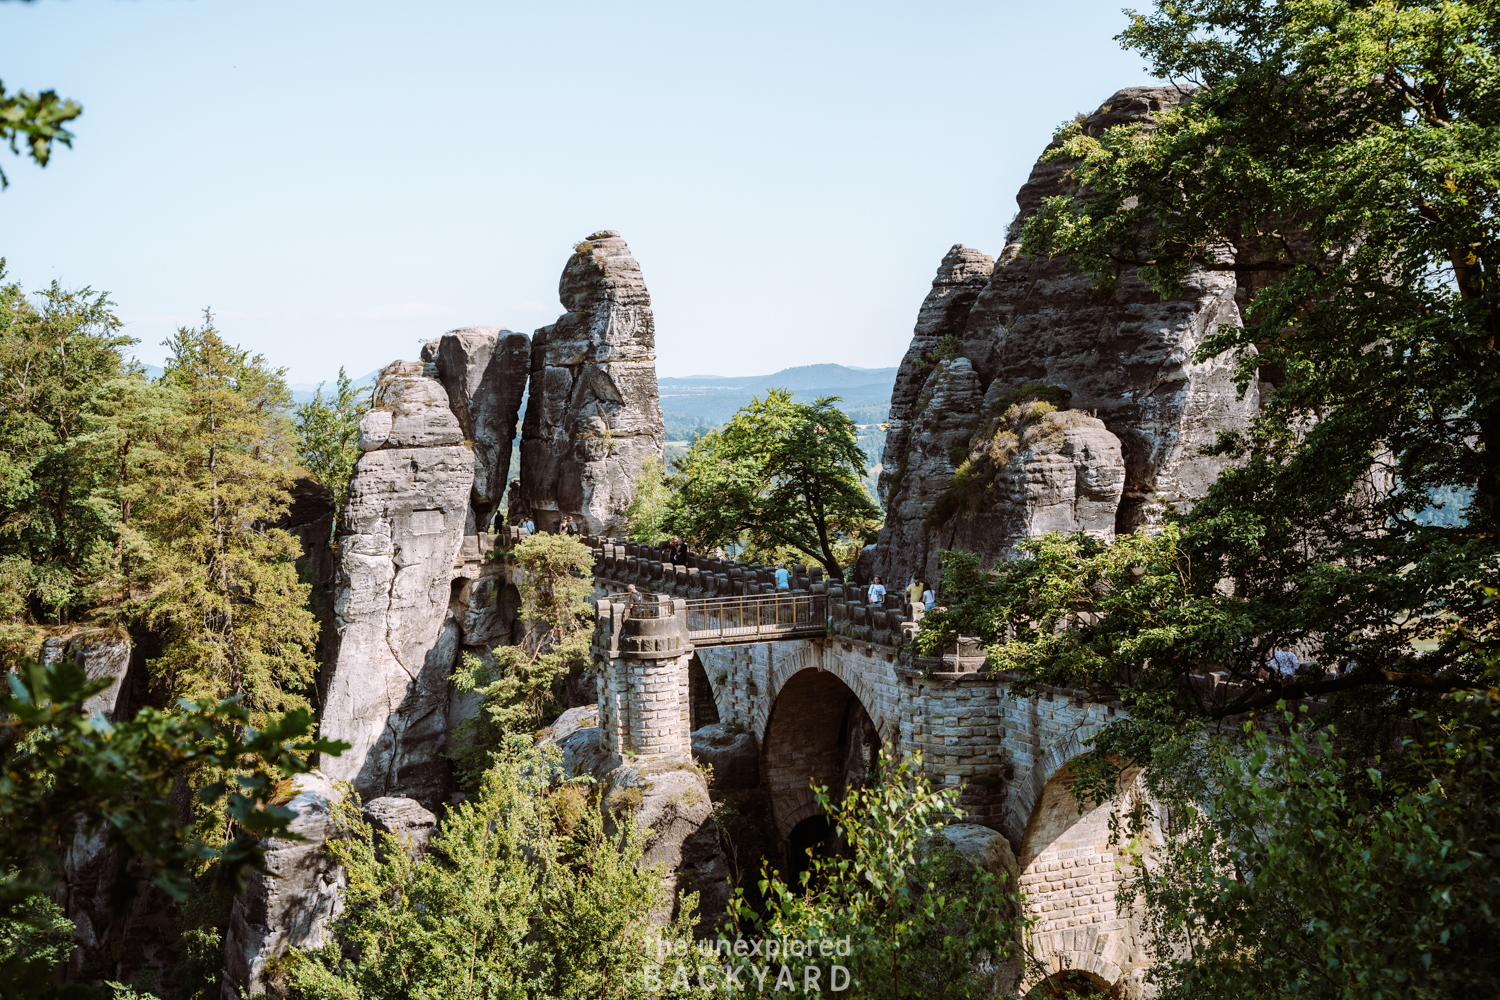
[[1069, 875], [1026, 795], [818, 730]]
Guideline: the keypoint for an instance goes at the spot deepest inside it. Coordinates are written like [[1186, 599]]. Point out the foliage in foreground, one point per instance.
[[921, 920], [521, 687], [520, 895], [780, 475], [34, 122], [1302, 876], [1343, 161], [62, 770]]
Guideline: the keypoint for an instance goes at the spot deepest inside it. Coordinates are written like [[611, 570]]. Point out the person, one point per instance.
[[877, 593], [914, 592], [528, 526], [928, 599], [568, 528], [783, 578], [632, 595]]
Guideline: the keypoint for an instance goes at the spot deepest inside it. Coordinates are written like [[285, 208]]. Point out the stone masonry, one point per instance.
[[800, 699]]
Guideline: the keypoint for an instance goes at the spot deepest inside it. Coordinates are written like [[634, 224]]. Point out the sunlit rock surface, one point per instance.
[[592, 413]]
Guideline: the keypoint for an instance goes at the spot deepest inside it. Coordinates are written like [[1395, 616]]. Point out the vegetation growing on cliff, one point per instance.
[[509, 901], [521, 687]]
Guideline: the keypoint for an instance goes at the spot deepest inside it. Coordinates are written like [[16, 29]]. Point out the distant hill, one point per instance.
[[306, 392], [700, 402], [712, 399]]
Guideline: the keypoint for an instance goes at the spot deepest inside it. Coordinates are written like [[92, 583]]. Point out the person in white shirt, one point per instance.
[[928, 599], [877, 593]]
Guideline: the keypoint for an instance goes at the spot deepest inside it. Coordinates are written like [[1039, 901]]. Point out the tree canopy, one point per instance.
[[1343, 160], [780, 474]]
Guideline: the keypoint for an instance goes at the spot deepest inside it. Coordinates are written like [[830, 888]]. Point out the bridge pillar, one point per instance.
[[644, 701]]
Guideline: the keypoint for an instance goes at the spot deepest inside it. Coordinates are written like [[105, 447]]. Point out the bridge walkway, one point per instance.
[[736, 621]]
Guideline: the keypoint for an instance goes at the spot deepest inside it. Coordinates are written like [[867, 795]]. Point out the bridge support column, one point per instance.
[[643, 686]]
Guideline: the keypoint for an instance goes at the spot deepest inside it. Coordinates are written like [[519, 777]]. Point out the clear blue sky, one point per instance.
[[340, 180]]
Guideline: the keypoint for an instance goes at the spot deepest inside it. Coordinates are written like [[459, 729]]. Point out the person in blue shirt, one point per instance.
[[783, 578]]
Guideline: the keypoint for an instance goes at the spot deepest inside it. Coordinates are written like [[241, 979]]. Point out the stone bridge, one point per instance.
[[821, 705]]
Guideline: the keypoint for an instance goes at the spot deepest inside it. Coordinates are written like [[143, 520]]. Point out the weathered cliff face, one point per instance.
[[944, 420], [102, 653], [1137, 407], [592, 415], [484, 369], [290, 903], [1125, 355], [388, 694], [962, 275]]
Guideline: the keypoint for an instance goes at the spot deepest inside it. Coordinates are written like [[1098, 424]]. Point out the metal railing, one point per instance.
[[718, 621]]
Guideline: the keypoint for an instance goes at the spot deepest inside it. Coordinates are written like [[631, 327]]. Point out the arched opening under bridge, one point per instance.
[[1070, 983], [819, 733]]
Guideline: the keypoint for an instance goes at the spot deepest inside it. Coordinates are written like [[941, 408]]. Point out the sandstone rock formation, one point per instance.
[[484, 369], [1141, 407], [388, 694], [290, 904], [402, 818], [733, 756], [592, 413], [669, 799], [1125, 355], [962, 275], [103, 654]]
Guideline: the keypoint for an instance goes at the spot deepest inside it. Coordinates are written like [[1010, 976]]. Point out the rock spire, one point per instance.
[[592, 414]]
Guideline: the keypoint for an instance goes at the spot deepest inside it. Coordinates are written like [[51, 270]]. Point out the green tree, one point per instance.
[[36, 937], [648, 508], [521, 687], [1344, 161], [224, 591], [521, 894], [328, 439], [56, 531], [133, 431], [1298, 882], [918, 917], [782, 475]]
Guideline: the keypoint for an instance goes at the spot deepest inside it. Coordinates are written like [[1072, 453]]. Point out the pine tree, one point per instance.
[[224, 590], [55, 532]]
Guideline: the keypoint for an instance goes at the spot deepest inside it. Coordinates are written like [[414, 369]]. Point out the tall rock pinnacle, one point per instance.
[[592, 414]]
